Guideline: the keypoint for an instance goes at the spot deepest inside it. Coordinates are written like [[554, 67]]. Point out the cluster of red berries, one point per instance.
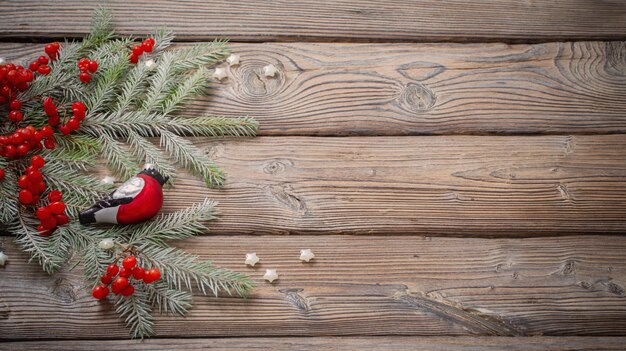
[[52, 50], [138, 50], [40, 65], [86, 67], [53, 215], [54, 119], [121, 284], [14, 79], [25, 139]]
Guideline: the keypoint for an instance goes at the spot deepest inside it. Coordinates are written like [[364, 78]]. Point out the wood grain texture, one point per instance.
[[387, 343], [375, 285], [254, 20], [410, 89], [440, 185]]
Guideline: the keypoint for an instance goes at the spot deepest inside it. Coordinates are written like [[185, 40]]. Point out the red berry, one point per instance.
[[129, 262], [126, 273], [65, 129], [49, 143], [42, 231], [147, 45], [1, 174], [37, 161], [128, 290], [23, 181], [55, 196], [137, 50], [152, 275], [22, 150], [119, 284], [138, 272], [133, 58], [62, 219], [106, 279], [25, 196], [15, 104], [113, 269], [44, 69], [93, 66], [85, 77], [79, 106], [49, 223], [33, 66], [100, 292], [35, 177], [73, 124], [43, 213], [47, 131], [15, 116], [57, 208], [43, 60], [51, 50]]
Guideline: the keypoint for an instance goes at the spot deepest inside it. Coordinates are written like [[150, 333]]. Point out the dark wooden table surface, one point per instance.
[[458, 167]]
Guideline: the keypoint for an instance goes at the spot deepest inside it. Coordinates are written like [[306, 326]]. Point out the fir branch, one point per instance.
[[104, 89], [163, 39], [168, 300], [118, 159], [194, 85], [132, 89], [136, 311], [180, 269], [160, 83], [78, 152], [79, 189], [179, 225], [101, 28], [196, 162], [8, 190], [214, 126], [146, 152], [38, 247], [194, 57]]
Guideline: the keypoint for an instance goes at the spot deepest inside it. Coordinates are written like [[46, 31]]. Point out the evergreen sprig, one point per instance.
[[134, 115]]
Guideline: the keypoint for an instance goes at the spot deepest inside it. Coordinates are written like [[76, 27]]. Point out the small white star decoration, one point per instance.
[[233, 60], [270, 275], [219, 73], [306, 255], [269, 70], [108, 180], [106, 244], [2, 60], [3, 258], [252, 259], [150, 63]]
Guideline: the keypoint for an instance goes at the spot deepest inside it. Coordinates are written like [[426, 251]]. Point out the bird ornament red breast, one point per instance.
[[137, 200]]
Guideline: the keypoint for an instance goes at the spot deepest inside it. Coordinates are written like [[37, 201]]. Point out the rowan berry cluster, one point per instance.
[[139, 49], [120, 279], [86, 67]]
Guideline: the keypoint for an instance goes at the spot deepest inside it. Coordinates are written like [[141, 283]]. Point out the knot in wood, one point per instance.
[[416, 97], [253, 86]]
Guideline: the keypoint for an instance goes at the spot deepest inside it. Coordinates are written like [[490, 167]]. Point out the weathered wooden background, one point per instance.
[[458, 167]]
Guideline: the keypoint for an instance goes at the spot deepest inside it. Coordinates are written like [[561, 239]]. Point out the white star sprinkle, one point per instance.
[[3, 258], [150, 63], [252, 259], [269, 70], [219, 73], [306, 255], [106, 244], [233, 60], [2, 60], [270, 275], [108, 180]]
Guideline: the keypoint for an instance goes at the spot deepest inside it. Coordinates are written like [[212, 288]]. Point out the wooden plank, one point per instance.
[[409, 89], [375, 285], [398, 343], [443, 185], [253, 20]]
